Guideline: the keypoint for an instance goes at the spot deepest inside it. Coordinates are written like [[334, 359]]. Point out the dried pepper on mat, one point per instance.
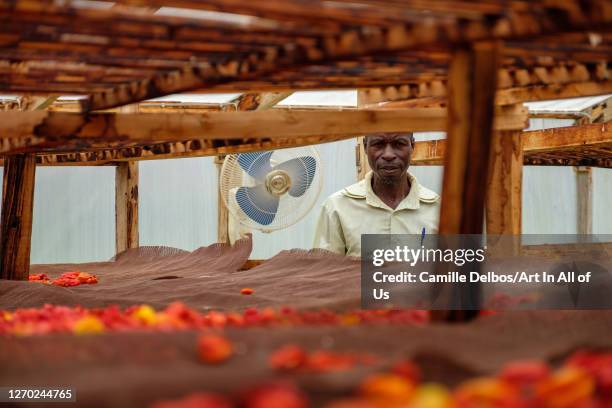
[[66, 279], [582, 381]]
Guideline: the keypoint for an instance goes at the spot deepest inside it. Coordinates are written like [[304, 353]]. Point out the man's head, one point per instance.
[[389, 154]]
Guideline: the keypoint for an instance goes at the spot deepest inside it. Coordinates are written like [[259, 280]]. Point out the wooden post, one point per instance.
[[126, 206], [503, 207], [361, 160], [584, 194], [17, 207], [504, 188], [222, 215], [471, 93]]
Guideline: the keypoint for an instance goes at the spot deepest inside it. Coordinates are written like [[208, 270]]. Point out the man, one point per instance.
[[389, 200]]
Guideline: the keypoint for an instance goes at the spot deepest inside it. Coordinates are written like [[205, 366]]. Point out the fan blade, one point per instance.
[[302, 171], [257, 203], [256, 164]]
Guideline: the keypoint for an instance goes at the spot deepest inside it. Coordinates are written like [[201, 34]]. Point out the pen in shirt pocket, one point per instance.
[[422, 235]]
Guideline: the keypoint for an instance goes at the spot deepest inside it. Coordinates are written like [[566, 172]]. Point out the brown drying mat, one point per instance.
[[210, 278], [207, 278], [133, 369]]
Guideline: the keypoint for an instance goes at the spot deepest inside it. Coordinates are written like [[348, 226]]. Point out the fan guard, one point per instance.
[[271, 190]]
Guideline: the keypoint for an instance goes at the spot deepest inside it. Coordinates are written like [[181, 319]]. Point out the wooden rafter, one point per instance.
[[69, 131], [542, 147]]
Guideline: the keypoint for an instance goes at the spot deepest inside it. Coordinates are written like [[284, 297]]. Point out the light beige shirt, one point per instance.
[[357, 210]]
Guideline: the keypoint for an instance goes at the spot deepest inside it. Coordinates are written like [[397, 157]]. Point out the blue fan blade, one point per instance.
[[256, 164], [257, 203], [302, 171]]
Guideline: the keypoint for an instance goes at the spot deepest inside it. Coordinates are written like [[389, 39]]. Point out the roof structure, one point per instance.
[[113, 54]]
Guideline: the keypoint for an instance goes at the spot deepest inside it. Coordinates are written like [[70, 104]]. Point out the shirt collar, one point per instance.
[[410, 202]]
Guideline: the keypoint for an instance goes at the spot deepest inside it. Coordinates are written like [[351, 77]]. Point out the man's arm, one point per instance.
[[329, 235]]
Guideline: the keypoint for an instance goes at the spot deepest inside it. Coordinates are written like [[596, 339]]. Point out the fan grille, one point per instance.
[[243, 187]]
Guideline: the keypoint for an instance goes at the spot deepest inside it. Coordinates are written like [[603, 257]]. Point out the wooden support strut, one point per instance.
[[17, 208], [472, 84], [504, 187], [126, 206], [584, 205], [503, 208]]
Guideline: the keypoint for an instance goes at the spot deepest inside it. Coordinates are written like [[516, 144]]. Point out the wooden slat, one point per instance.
[[515, 86], [553, 91], [317, 33], [145, 22], [17, 209], [382, 12], [313, 10], [126, 206]]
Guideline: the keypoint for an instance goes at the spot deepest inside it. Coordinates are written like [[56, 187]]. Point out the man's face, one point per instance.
[[389, 155]]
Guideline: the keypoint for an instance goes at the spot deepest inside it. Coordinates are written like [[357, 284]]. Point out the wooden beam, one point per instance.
[[126, 206], [472, 84], [552, 91], [591, 138], [175, 150], [17, 209], [567, 137], [61, 129], [503, 202], [570, 139], [584, 197]]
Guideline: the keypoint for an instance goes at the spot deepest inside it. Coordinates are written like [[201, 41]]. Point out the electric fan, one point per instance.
[[271, 190]]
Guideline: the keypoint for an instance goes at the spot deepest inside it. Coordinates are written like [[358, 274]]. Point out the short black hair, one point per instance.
[[410, 134]]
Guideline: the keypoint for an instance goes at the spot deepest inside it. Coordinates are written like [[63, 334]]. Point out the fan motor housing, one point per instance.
[[278, 182]]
